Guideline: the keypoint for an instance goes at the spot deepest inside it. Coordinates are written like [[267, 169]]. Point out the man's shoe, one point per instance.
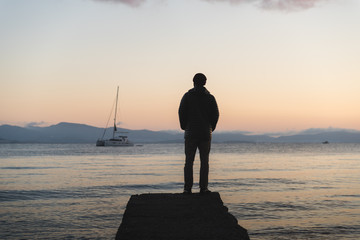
[[187, 191], [204, 191]]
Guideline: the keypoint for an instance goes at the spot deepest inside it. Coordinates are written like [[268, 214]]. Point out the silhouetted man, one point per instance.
[[198, 115]]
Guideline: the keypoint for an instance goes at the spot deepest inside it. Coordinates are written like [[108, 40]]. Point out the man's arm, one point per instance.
[[214, 113], [183, 113]]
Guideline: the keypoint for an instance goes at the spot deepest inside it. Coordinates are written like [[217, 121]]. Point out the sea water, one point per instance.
[[276, 191]]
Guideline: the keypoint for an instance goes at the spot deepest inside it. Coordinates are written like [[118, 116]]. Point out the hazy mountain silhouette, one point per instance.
[[81, 133], [334, 136], [78, 133]]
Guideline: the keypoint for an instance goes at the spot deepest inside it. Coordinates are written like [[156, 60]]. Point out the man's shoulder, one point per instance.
[[198, 92], [189, 92]]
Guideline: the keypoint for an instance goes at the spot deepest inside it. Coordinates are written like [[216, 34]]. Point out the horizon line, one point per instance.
[[245, 132]]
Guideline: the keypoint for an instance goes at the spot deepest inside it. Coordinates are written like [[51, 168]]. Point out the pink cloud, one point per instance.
[[133, 3], [287, 5]]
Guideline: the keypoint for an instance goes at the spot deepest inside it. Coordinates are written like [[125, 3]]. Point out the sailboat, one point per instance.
[[118, 138]]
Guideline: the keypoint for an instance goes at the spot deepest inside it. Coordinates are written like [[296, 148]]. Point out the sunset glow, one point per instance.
[[272, 65]]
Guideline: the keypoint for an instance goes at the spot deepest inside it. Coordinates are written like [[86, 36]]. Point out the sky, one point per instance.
[[272, 65]]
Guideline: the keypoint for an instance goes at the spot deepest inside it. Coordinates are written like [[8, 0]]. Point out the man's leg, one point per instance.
[[190, 151], [204, 149]]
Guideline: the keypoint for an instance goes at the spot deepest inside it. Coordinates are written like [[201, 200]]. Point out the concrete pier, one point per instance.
[[179, 216]]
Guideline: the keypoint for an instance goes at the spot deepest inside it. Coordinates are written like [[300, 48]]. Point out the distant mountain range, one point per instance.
[[81, 133]]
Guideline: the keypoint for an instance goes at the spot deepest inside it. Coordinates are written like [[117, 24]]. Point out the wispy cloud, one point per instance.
[[132, 3], [284, 5], [36, 124], [288, 4]]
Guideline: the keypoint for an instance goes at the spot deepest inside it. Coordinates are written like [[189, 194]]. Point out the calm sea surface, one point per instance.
[[276, 191]]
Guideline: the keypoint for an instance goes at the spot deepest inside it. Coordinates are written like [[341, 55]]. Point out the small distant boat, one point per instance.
[[118, 138], [325, 142]]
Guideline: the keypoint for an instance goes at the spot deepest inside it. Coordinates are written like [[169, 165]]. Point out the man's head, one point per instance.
[[199, 79]]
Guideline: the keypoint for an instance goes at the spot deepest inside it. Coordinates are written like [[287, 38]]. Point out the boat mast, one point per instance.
[[117, 95]]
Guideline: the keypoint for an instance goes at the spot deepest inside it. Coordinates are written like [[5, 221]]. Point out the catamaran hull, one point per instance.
[[110, 143], [100, 143]]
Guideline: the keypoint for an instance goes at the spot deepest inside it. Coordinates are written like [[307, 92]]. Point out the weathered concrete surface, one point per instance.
[[179, 216]]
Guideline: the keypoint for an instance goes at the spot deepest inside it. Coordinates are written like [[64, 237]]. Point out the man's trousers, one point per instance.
[[191, 145]]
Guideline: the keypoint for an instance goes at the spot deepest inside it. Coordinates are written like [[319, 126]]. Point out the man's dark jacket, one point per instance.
[[198, 113]]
